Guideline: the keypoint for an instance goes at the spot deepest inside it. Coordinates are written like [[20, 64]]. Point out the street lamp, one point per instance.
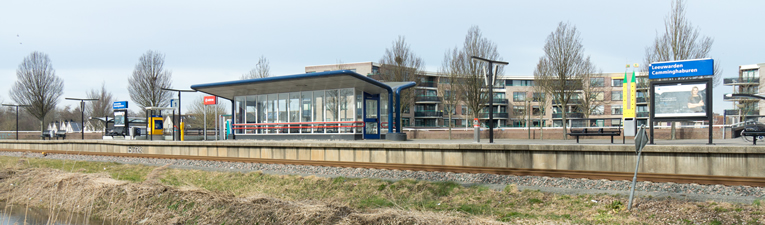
[[82, 112], [490, 83], [17, 116], [179, 106]]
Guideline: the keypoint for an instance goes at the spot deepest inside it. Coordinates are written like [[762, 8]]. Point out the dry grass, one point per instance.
[[162, 195]]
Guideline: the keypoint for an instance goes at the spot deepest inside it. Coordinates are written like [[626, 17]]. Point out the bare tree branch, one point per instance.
[[100, 108], [262, 70], [148, 79], [399, 63], [37, 85], [561, 71]]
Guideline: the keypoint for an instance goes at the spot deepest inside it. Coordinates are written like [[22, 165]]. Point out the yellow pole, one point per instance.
[[181, 129]]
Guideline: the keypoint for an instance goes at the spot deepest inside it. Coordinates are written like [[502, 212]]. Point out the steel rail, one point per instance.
[[594, 175]]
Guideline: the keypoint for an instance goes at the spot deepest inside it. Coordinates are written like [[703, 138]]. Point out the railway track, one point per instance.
[[594, 175]]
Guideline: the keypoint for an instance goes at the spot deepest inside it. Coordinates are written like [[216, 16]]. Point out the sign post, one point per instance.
[[208, 100], [640, 140]]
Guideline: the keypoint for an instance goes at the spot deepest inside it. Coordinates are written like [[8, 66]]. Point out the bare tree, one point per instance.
[[99, 108], [450, 94], [561, 70], [37, 85], [592, 98], [471, 83], [148, 79], [197, 112], [680, 41], [398, 64], [262, 70], [540, 95]]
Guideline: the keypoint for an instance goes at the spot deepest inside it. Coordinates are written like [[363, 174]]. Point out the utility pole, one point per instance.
[[17, 116], [82, 112], [490, 78]]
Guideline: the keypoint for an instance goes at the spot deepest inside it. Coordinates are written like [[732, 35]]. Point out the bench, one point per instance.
[[46, 134], [595, 132], [754, 135], [60, 134]]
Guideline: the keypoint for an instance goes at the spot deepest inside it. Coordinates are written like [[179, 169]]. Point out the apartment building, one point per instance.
[[747, 82], [516, 104]]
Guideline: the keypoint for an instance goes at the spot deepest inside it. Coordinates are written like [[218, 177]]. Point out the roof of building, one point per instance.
[[293, 83]]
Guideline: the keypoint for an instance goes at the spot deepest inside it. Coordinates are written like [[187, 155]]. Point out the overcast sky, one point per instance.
[[95, 42]]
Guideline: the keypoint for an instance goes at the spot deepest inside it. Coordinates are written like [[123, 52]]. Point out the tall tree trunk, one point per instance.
[[672, 130], [450, 125], [42, 128]]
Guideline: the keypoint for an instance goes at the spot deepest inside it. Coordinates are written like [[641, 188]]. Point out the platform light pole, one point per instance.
[[17, 116], [82, 112], [490, 78], [179, 108]]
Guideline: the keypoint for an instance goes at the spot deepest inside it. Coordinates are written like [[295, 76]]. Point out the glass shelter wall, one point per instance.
[[307, 112]]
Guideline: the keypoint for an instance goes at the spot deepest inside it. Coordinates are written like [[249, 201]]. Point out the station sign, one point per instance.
[[210, 100], [174, 103], [120, 105], [684, 68]]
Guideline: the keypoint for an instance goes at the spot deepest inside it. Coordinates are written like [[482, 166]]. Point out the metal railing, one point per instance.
[[428, 114], [642, 114], [732, 81], [641, 99], [497, 115], [427, 98], [428, 84], [568, 115]]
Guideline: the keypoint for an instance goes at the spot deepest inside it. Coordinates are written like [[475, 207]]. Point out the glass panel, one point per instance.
[[318, 110], [294, 109], [346, 109], [331, 109], [251, 110], [271, 107], [371, 127], [384, 113], [260, 109], [282, 109], [306, 110], [359, 113], [238, 114]]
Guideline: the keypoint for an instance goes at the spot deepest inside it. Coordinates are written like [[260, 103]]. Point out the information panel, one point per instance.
[[680, 100]]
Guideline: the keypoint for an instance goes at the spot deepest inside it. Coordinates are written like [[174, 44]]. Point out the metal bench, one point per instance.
[[60, 134], [595, 132], [754, 135]]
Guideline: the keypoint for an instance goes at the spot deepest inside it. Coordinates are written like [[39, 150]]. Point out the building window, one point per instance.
[[597, 82], [616, 95], [519, 110], [443, 80], [616, 122], [464, 110], [536, 110], [519, 82], [404, 122], [600, 96], [617, 82], [519, 96], [537, 97], [598, 110], [616, 109]]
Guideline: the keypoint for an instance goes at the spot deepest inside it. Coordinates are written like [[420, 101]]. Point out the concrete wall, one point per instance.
[[701, 159]]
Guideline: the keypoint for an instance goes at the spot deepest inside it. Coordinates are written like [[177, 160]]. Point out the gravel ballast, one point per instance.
[[697, 192]]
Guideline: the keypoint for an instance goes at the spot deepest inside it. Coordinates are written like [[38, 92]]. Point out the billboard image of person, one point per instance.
[[680, 100], [119, 118]]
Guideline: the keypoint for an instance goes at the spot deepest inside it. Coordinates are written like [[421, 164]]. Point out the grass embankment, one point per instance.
[[202, 196]]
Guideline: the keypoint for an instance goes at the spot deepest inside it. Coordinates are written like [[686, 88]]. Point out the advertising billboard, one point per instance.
[[120, 118], [675, 100]]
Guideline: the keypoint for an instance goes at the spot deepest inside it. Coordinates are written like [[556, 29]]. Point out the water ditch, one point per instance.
[[19, 214]]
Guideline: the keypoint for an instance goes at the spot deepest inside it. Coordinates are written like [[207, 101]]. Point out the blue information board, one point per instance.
[[120, 105], [685, 68]]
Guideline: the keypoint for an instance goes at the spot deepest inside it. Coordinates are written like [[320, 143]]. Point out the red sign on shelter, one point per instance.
[[210, 100]]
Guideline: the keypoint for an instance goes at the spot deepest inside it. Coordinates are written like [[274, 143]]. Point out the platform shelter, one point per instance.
[[332, 105]]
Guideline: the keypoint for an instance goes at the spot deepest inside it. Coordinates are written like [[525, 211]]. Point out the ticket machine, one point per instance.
[[156, 125]]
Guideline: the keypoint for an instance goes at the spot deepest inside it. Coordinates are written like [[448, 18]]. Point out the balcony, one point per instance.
[[497, 115], [428, 84], [428, 114], [570, 102], [501, 101], [731, 112], [568, 115], [641, 99], [642, 114], [427, 98], [741, 81]]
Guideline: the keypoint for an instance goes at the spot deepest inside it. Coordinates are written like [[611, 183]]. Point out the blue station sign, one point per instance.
[[685, 68], [120, 105]]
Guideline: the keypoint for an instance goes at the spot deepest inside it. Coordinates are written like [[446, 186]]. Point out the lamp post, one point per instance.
[[82, 112], [17, 116], [179, 107], [490, 78]]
